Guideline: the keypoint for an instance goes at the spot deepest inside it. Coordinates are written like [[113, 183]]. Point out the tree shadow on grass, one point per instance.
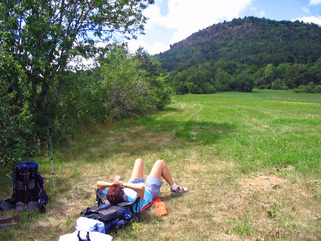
[[146, 135], [133, 139]]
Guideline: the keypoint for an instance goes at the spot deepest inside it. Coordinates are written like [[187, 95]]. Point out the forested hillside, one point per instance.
[[240, 54]]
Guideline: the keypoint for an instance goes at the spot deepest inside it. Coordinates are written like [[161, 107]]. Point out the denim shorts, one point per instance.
[[152, 184]]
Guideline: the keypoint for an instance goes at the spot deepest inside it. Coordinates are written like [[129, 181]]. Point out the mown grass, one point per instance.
[[251, 162]]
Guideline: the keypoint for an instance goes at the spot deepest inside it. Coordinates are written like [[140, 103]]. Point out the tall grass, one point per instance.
[[251, 162]]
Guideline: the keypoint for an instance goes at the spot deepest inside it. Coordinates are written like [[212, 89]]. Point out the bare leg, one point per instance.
[[160, 169], [138, 170]]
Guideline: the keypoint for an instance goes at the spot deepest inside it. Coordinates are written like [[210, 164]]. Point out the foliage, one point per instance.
[[309, 88], [121, 87], [276, 54], [15, 118], [317, 89], [207, 78], [130, 85], [159, 90], [38, 39]]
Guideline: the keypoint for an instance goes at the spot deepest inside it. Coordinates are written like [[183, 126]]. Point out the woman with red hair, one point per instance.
[[147, 191]]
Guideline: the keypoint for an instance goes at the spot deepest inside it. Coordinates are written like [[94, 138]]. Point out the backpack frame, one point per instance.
[[27, 189]]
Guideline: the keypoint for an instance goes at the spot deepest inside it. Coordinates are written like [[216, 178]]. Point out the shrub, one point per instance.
[[242, 83], [317, 89], [209, 89], [304, 89], [128, 88], [279, 85]]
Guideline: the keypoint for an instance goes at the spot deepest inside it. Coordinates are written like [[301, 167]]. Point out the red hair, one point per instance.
[[115, 194]]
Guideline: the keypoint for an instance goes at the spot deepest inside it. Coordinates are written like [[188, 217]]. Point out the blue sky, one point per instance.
[[171, 21]]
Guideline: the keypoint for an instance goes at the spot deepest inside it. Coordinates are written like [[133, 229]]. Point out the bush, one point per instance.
[[279, 85], [129, 88], [209, 89], [242, 83], [304, 89], [317, 89]]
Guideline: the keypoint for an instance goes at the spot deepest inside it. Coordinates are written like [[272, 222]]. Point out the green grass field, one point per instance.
[[251, 162]]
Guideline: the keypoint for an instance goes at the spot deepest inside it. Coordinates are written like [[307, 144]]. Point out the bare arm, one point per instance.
[[102, 185], [139, 188]]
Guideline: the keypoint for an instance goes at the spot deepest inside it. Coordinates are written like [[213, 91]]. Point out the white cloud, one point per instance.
[[312, 19], [152, 48], [157, 48], [135, 44], [315, 2], [184, 18], [153, 13], [189, 16]]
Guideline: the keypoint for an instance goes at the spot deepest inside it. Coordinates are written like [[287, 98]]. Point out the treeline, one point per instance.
[[246, 53], [209, 78]]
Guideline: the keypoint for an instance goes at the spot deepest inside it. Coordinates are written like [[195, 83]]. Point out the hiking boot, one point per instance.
[[179, 191]]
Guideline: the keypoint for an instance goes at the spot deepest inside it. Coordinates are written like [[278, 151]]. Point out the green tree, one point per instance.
[[242, 82], [281, 70], [298, 74], [14, 121], [196, 83], [179, 82], [127, 87], [154, 76], [40, 38], [222, 80], [269, 73], [315, 70]]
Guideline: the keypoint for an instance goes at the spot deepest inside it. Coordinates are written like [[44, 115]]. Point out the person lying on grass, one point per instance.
[[147, 191]]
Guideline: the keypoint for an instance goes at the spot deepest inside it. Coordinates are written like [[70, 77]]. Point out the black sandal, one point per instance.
[[179, 191]]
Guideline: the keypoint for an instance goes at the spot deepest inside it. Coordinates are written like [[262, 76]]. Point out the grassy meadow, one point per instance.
[[251, 161]]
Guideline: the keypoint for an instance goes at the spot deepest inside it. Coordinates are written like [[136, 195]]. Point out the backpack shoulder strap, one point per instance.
[[14, 178], [26, 181], [101, 198]]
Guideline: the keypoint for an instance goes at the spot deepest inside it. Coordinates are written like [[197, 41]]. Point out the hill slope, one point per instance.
[[250, 41], [245, 53]]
